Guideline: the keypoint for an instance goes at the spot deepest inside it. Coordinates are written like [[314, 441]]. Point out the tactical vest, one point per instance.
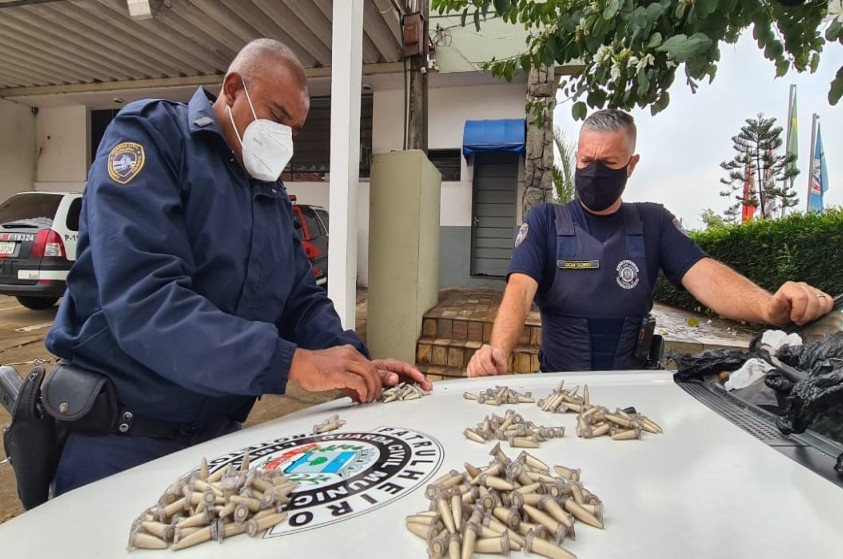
[[592, 313]]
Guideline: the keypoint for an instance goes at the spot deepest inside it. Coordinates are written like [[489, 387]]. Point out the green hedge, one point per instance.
[[799, 247]]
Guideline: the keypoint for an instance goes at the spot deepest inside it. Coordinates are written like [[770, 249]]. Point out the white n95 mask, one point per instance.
[[267, 145]]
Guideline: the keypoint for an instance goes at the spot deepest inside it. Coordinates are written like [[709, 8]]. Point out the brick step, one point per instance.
[[457, 328], [525, 359], [445, 352], [473, 330], [456, 354], [436, 373]]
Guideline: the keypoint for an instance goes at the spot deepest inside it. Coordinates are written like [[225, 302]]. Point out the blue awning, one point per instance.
[[494, 135]]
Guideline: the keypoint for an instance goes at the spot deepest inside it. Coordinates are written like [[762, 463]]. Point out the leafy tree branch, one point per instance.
[[628, 52]]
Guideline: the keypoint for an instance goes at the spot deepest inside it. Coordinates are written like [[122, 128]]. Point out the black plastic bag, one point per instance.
[[808, 381], [818, 358], [781, 386], [709, 362], [809, 398]]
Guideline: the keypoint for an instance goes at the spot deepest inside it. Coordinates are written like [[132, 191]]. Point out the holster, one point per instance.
[[654, 360], [649, 347], [33, 443], [81, 401]]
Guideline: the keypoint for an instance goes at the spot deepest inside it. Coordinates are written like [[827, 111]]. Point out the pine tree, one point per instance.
[[759, 163], [732, 215]]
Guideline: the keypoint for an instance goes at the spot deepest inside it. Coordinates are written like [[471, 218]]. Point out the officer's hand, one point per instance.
[[341, 367], [797, 302], [392, 371], [487, 361]]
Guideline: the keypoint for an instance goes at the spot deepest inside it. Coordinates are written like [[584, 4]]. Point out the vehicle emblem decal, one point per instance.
[[343, 475], [125, 161]]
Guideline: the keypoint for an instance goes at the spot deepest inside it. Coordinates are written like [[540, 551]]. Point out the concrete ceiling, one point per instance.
[[91, 52]]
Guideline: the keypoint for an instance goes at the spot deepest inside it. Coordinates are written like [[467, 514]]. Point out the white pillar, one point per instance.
[[346, 77]]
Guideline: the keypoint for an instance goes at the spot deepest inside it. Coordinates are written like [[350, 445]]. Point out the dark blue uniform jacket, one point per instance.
[[191, 290]]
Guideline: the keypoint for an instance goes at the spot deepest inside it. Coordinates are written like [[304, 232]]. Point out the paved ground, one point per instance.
[[22, 334], [684, 330], [692, 332], [21, 340]]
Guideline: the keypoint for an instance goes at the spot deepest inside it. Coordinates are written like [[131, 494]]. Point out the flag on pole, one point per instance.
[[748, 207], [792, 147], [819, 176], [792, 129], [768, 184]]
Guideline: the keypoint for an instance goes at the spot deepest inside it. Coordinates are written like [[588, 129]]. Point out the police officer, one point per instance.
[[591, 266], [192, 293]]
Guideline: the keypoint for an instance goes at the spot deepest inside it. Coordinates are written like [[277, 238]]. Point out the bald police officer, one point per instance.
[[192, 293], [591, 266]]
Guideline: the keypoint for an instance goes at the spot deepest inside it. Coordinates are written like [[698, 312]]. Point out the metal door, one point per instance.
[[494, 197]]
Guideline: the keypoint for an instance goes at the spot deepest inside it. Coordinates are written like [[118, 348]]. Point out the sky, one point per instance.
[[681, 147]]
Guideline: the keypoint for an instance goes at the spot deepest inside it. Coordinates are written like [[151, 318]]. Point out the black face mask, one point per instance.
[[599, 186]]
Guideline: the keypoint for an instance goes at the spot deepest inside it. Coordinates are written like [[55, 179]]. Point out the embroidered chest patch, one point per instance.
[[627, 274]]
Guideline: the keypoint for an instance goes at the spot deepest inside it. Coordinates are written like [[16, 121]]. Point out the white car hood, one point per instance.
[[704, 488]]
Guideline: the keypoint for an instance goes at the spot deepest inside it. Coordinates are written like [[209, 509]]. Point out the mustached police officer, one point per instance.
[[192, 294], [591, 266]]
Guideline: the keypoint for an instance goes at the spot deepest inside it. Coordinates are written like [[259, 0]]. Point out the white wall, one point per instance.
[[17, 148], [61, 148], [462, 46], [450, 107], [456, 197], [51, 151]]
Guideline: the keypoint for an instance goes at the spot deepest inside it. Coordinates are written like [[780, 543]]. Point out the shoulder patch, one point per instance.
[[125, 161], [678, 225], [522, 234]]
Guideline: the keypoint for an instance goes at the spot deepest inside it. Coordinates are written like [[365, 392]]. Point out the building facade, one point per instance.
[[49, 131]]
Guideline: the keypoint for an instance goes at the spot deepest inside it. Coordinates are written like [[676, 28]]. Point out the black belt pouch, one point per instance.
[[81, 401], [33, 443]]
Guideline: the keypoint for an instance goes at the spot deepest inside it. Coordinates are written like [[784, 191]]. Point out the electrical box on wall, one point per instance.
[[414, 34]]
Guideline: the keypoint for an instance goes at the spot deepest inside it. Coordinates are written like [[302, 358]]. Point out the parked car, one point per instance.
[[38, 234], [312, 226]]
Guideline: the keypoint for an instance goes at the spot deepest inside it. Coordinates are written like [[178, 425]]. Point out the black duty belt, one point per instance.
[[87, 403], [131, 425]]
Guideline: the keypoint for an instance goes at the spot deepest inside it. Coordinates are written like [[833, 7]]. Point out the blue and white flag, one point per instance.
[[819, 176]]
